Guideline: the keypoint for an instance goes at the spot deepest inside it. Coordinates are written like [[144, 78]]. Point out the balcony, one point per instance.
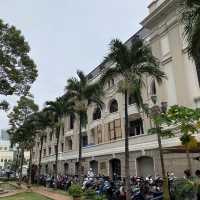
[[136, 143]]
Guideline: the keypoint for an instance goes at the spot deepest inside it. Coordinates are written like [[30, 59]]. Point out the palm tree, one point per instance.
[[191, 21], [42, 121], [132, 64], [82, 93], [58, 109]]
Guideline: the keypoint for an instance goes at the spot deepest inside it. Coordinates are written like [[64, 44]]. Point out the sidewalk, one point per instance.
[[52, 195]]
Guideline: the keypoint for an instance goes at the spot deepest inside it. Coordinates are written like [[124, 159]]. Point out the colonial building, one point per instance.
[[6, 153], [103, 138]]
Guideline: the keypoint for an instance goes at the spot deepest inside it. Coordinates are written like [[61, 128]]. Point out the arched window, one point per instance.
[[97, 114], [153, 88], [112, 82], [131, 99], [113, 106]]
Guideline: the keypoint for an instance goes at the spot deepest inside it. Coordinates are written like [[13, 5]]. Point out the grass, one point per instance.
[[26, 196]]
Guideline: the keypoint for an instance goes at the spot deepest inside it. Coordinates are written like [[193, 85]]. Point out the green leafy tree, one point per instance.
[[187, 120], [17, 70], [82, 93], [29, 134], [25, 136], [133, 64], [25, 108], [58, 109], [191, 21]]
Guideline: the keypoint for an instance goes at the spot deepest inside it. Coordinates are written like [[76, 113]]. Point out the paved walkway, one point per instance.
[[11, 193], [50, 194]]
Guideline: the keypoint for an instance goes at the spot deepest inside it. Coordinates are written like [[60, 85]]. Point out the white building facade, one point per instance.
[[6, 153], [103, 138]]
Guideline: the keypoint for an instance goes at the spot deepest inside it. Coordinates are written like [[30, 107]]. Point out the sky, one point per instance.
[[66, 35]]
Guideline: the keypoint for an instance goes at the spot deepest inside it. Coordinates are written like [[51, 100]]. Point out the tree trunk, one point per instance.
[[30, 168], [189, 160], [127, 170], [40, 158], [166, 195], [57, 145], [17, 160], [80, 148], [21, 165]]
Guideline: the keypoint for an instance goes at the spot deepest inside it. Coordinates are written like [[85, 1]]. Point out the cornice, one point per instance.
[[160, 11]]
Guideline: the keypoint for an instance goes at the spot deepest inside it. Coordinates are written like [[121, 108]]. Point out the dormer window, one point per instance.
[[97, 114], [113, 106]]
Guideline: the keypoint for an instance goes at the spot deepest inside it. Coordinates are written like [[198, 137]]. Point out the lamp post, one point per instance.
[[156, 111]]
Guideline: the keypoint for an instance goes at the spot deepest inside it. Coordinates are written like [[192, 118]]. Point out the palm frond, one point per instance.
[[190, 16], [119, 54], [152, 71], [108, 75], [82, 77]]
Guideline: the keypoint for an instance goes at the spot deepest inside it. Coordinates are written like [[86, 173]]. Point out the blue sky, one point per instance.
[[66, 35]]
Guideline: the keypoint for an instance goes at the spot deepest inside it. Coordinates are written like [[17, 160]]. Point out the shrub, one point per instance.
[[91, 195], [100, 198], [185, 189], [75, 191]]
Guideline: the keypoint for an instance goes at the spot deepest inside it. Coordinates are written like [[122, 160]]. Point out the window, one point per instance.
[[111, 83], [46, 169], [49, 150], [84, 140], [97, 132], [51, 136], [1, 160], [62, 147], [45, 139], [97, 114], [54, 168], [136, 127], [0, 148], [113, 106], [68, 143], [5, 148], [153, 88], [71, 121], [63, 130], [66, 168], [44, 152], [131, 99], [55, 149], [114, 130]]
